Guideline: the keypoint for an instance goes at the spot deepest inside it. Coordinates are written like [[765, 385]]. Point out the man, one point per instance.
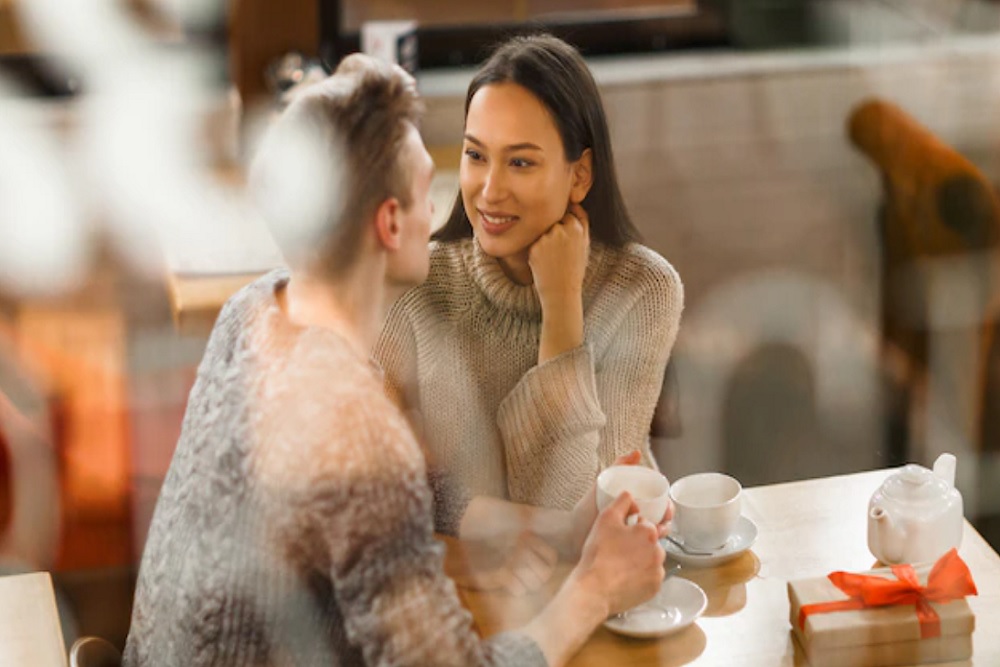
[[295, 525]]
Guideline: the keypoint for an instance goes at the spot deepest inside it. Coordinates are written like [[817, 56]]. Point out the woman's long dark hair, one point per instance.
[[556, 74]]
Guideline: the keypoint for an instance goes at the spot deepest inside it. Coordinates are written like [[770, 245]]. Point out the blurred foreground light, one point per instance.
[[294, 182], [43, 233], [137, 139], [139, 126], [192, 12], [86, 32]]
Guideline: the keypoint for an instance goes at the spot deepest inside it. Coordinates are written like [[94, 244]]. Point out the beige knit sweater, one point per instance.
[[460, 353]]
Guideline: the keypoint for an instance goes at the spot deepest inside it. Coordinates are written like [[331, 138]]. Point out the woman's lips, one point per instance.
[[496, 223]]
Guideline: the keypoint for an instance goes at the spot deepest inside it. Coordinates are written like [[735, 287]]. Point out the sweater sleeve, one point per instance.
[[396, 354], [566, 419], [550, 424], [398, 606], [631, 376]]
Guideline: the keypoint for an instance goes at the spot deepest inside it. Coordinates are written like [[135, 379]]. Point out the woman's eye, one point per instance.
[[473, 154], [521, 162]]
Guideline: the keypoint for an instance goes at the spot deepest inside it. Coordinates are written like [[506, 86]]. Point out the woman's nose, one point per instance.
[[495, 187]]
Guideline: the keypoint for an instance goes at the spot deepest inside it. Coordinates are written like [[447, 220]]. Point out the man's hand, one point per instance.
[[620, 564], [585, 512]]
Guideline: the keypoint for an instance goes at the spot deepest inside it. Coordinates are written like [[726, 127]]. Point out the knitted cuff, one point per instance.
[[550, 424], [554, 400], [515, 648]]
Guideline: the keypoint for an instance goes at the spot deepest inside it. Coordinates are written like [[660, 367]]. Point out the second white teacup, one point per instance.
[[649, 489], [706, 509]]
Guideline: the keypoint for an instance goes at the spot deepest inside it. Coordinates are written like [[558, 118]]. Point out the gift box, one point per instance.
[[898, 616]]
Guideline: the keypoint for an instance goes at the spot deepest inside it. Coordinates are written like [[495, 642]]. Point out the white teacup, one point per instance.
[[706, 509], [649, 489]]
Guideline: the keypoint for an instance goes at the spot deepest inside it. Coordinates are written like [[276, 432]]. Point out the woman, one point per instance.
[[534, 353], [295, 523]]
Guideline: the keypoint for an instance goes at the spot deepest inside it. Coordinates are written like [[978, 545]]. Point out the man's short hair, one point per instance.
[[332, 158]]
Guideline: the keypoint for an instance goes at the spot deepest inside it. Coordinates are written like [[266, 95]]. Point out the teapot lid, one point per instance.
[[915, 483]]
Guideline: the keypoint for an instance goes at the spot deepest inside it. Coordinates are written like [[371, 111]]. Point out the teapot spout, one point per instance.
[[944, 468], [890, 536]]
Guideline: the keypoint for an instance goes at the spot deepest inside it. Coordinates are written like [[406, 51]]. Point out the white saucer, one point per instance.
[[678, 604], [742, 539]]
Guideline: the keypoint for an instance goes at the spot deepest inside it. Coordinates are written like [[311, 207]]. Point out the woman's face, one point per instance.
[[515, 180]]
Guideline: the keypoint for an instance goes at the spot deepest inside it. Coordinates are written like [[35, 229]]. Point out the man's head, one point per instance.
[[343, 157]]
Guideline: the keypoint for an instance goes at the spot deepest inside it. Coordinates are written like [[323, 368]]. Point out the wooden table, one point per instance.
[[806, 529], [30, 633]]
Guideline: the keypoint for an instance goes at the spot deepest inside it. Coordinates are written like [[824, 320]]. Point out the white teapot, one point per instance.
[[916, 515]]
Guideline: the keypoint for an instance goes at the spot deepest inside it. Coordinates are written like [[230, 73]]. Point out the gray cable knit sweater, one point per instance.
[[294, 526], [460, 353]]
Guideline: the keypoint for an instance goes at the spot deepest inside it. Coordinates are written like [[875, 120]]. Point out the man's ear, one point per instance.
[[583, 176], [387, 227]]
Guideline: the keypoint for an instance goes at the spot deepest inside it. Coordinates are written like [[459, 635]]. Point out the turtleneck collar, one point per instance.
[[508, 295]]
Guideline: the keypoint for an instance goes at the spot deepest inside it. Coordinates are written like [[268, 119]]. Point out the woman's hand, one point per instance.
[[558, 261], [525, 567]]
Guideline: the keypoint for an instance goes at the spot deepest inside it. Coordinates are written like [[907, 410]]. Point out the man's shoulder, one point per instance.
[[253, 295], [335, 412]]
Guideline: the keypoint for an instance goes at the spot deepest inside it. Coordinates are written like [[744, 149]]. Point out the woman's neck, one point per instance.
[[517, 268]]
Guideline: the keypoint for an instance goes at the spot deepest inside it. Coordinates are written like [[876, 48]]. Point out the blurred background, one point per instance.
[[822, 173]]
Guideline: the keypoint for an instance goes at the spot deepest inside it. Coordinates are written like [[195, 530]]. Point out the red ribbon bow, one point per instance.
[[948, 580]]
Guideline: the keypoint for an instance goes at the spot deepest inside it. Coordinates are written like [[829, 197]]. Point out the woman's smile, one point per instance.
[[496, 223]]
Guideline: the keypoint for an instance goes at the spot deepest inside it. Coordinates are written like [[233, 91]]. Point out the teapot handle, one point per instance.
[[944, 468]]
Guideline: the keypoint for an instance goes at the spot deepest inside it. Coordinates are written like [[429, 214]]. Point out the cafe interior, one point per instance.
[[822, 174]]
